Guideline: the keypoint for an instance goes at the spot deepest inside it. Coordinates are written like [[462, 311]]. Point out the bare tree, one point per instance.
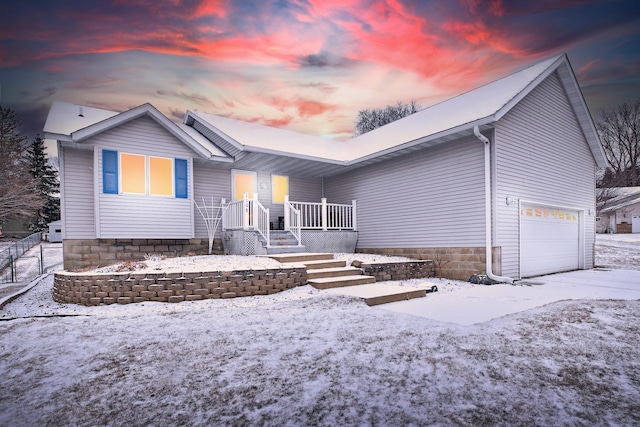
[[19, 195], [372, 118], [619, 131]]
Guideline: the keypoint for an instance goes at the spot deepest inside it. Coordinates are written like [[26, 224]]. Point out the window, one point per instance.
[[125, 173], [279, 188], [133, 173], [160, 176]]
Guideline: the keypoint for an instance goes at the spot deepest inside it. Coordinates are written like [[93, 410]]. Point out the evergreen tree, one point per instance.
[[48, 185], [19, 195]]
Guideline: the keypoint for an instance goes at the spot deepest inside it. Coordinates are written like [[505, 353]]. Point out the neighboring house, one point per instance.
[[508, 167], [618, 210]]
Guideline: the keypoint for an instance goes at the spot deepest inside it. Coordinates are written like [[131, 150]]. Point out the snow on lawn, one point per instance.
[[618, 251], [307, 357]]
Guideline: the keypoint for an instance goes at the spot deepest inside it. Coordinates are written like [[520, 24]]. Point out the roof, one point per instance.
[[479, 107], [619, 198], [69, 122], [232, 140]]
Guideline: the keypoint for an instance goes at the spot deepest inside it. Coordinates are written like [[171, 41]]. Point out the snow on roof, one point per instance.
[[73, 122], [270, 139], [620, 197], [65, 118], [483, 105]]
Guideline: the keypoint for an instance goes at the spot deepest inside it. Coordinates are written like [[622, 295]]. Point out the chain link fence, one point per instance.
[[14, 250]]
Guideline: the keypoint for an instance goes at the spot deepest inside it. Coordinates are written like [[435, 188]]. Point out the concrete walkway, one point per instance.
[[483, 303]]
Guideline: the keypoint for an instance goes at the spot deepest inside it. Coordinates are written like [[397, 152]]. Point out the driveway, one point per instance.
[[482, 303]]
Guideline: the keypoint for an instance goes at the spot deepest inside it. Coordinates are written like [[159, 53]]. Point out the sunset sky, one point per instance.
[[307, 65]]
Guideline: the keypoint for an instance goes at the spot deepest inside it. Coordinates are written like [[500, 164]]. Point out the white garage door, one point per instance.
[[635, 224], [549, 240]]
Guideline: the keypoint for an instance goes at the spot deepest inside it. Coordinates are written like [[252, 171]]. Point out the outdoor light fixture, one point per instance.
[[511, 201]]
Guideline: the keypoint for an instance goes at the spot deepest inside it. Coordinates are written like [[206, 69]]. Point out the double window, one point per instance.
[[125, 173]]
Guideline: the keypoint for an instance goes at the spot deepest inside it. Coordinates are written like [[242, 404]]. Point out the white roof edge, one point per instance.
[[57, 136], [590, 133], [599, 154], [533, 84], [296, 155], [452, 131], [134, 113], [229, 139]]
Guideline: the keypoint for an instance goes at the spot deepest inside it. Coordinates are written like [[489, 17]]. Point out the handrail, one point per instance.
[[247, 214], [260, 219], [292, 220]]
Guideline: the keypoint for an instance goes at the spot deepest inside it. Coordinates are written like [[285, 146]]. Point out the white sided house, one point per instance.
[[618, 210], [499, 180]]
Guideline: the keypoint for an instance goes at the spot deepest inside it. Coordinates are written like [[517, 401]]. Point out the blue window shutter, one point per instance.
[[110, 171], [182, 189]]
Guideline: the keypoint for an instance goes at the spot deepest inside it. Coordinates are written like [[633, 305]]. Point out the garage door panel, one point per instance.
[[549, 240]]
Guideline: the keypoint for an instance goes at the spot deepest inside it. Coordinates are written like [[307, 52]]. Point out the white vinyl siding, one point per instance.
[[78, 194], [300, 189], [430, 198], [211, 181], [143, 216], [208, 182], [541, 156]]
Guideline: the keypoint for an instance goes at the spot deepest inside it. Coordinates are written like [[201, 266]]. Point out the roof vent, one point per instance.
[[80, 114]]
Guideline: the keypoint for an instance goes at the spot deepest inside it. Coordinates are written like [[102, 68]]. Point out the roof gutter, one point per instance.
[[487, 205]]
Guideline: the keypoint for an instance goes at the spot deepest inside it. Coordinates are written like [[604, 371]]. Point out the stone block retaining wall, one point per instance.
[[399, 270], [83, 253], [132, 287], [452, 263]]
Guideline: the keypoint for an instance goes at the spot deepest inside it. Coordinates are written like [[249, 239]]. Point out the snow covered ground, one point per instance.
[[308, 357]]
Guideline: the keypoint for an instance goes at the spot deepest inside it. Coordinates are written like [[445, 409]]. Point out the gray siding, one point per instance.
[[300, 190], [431, 198], [209, 181], [142, 136], [78, 216], [138, 216], [541, 155], [213, 181]]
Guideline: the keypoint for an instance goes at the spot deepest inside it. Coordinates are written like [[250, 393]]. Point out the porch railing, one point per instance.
[[325, 216], [247, 214], [292, 220]]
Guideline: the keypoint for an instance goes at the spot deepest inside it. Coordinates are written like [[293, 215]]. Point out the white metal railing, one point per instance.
[[247, 214], [292, 220], [324, 216], [260, 217]]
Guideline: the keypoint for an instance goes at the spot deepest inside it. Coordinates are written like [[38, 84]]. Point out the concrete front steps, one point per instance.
[[325, 272]]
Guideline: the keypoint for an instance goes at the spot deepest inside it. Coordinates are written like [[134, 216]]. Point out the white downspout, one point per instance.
[[487, 207]]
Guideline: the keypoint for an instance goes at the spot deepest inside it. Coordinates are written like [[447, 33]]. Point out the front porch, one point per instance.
[[248, 229]]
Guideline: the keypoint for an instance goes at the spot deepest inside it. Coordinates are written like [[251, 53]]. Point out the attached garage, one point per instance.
[[550, 240]]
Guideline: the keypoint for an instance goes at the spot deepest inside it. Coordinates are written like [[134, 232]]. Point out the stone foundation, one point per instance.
[[132, 287], [399, 270], [90, 253], [451, 263]]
